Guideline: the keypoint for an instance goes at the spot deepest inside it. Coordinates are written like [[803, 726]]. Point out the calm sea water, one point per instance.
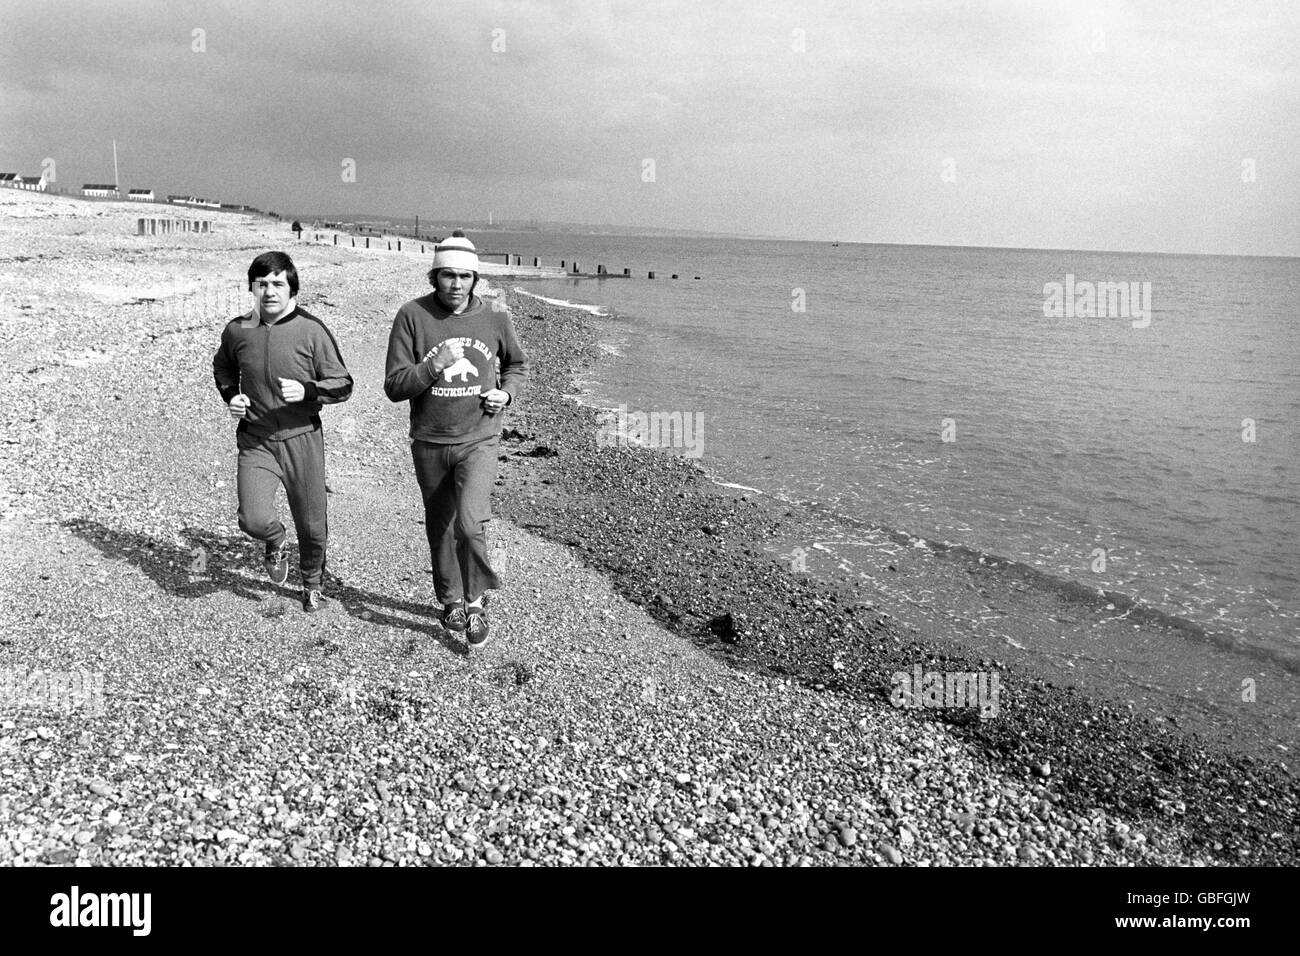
[[832, 374]]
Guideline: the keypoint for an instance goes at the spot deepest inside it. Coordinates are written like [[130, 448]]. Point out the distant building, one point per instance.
[[14, 181], [194, 201], [140, 195], [101, 191]]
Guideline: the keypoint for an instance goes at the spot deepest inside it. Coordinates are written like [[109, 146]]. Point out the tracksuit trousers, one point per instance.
[[456, 484], [298, 463]]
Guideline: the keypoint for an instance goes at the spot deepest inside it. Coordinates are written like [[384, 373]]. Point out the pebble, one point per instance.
[[891, 854]]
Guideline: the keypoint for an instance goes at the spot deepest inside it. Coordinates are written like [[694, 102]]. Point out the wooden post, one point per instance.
[[561, 263], [627, 272], [139, 231], [536, 262], [354, 242], [600, 270], [674, 275], [367, 242], [336, 238], [650, 276], [399, 245], [576, 270]]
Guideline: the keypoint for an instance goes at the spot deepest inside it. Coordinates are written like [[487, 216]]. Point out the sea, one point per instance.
[[1144, 443]]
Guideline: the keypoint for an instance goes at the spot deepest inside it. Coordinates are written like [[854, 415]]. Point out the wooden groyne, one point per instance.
[[155, 227], [571, 269]]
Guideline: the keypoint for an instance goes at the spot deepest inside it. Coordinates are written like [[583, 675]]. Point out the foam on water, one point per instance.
[[565, 303]]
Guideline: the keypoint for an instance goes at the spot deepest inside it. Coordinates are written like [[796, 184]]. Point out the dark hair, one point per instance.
[[272, 262]]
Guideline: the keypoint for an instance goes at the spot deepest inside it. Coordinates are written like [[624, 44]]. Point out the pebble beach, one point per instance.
[[657, 690]]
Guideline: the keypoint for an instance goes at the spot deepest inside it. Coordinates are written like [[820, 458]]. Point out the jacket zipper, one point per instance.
[[266, 378]]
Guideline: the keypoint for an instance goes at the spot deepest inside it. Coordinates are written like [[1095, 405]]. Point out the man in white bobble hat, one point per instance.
[[459, 363]]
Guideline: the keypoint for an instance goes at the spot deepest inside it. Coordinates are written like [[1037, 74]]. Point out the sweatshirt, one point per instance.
[[445, 407], [297, 346]]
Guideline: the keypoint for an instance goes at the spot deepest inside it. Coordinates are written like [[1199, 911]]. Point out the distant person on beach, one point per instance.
[[275, 368], [297, 229], [459, 363]]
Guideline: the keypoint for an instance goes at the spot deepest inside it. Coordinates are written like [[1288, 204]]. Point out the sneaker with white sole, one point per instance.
[[276, 561], [476, 628], [453, 616]]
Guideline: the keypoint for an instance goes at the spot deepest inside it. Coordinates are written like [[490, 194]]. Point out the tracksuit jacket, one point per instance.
[[298, 346]]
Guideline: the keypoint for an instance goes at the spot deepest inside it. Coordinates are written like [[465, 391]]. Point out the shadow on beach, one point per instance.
[[210, 563]]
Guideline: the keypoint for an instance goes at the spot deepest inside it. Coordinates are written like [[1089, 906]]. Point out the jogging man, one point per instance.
[[459, 363], [275, 369]]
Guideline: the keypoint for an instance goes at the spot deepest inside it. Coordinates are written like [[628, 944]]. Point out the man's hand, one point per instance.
[[238, 406], [448, 355], [292, 390], [495, 400]]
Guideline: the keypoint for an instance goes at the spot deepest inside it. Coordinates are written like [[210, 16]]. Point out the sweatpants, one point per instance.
[[456, 485], [298, 463]]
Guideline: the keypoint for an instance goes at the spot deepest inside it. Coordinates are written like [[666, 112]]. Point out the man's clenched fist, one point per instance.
[[291, 390]]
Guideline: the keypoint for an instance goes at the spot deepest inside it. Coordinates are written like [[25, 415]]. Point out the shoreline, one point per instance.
[[690, 552], [1234, 688]]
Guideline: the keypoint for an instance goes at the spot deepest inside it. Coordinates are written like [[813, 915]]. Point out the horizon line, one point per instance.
[[709, 233]]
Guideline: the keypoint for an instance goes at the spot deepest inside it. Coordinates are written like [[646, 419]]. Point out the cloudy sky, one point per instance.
[[1165, 125]]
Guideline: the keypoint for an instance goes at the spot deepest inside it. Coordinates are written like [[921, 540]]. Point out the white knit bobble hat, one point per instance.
[[455, 252]]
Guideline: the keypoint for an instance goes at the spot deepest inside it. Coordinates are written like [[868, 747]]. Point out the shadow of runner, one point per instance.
[[206, 565]]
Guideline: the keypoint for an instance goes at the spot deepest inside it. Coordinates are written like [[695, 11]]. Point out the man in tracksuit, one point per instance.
[[275, 369], [459, 363]]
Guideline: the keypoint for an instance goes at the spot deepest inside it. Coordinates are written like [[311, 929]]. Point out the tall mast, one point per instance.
[[117, 183]]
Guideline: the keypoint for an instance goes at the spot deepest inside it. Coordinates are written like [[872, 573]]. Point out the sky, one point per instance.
[[1151, 125]]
